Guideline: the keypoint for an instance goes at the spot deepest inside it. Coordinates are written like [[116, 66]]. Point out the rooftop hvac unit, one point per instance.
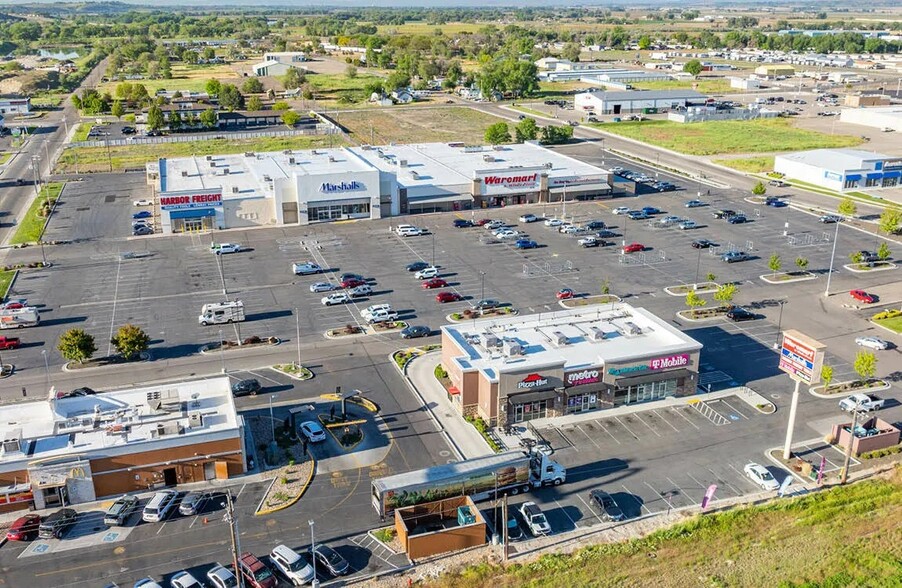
[[225, 172], [195, 420], [366, 147], [560, 338], [331, 159], [414, 175], [511, 347], [549, 165], [632, 328], [488, 158], [291, 161], [249, 154], [490, 340], [266, 178], [596, 334], [184, 173], [234, 189], [498, 147], [212, 163], [402, 163], [209, 158], [287, 152]]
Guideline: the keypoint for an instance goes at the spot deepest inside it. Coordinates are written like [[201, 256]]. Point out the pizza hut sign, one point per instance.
[[532, 381], [589, 376]]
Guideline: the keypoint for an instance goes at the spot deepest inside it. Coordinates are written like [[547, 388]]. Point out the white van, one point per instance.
[[159, 506], [292, 565], [408, 231]]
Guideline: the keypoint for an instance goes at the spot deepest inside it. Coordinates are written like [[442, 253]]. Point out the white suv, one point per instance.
[[160, 506], [621, 210], [381, 316], [370, 310], [425, 274], [292, 565], [337, 298], [409, 231]]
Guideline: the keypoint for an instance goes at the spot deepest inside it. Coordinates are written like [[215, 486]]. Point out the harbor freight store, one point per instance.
[[514, 369], [63, 451], [303, 187]]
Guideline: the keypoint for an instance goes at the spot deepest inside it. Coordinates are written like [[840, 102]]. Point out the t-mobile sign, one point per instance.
[[672, 361]]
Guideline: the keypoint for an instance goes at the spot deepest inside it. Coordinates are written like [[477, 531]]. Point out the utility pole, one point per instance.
[[233, 535], [832, 256], [297, 318], [845, 465]]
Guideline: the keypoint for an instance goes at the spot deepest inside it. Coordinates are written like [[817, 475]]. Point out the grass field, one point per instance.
[[81, 133], [184, 77], [134, 156], [6, 278], [842, 537], [4, 158], [893, 324], [47, 100], [32, 225], [703, 85], [417, 125], [739, 136], [329, 87], [753, 165]]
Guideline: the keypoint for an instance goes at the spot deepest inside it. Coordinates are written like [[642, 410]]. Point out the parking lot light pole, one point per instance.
[[482, 295], [832, 256], [433, 249], [698, 264], [221, 352], [272, 421], [779, 323], [297, 318], [315, 582], [46, 367]]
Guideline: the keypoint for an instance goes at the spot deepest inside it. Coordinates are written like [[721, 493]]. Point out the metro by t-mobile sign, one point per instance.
[[801, 357]]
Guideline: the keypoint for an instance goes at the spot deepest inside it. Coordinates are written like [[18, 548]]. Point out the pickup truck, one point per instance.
[[861, 402], [9, 342]]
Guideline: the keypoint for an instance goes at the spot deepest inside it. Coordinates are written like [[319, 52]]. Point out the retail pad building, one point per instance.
[[648, 101], [878, 117], [841, 169], [521, 368], [302, 187], [63, 451]]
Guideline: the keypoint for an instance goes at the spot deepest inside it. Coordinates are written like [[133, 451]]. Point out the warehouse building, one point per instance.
[[302, 187], [64, 451], [841, 169], [636, 101], [878, 117], [515, 369]]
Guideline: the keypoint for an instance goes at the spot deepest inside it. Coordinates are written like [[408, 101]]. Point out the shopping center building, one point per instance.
[[514, 369], [302, 187], [63, 451]]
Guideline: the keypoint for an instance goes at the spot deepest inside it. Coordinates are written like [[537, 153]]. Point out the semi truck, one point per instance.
[[221, 312], [17, 318], [479, 478]]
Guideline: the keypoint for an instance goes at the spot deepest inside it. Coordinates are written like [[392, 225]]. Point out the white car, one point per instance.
[[305, 268], [761, 476], [221, 577], [184, 580], [621, 210], [143, 202], [687, 224], [427, 273], [495, 224], [364, 290], [570, 229], [507, 234], [321, 287], [336, 298], [553, 222], [872, 343], [528, 218], [292, 565], [223, 248], [695, 204], [669, 220], [370, 310], [313, 431]]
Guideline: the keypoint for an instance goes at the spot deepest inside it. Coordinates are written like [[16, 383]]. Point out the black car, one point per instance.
[[740, 314], [417, 266], [83, 391], [830, 219], [55, 525], [141, 230], [604, 503], [331, 560], [415, 332], [724, 213], [605, 234], [596, 225], [461, 223], [128, 130], [248, 387], [737, 219], [702, 244]]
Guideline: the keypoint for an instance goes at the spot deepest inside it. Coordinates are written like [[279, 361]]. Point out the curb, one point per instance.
[[205, 350], [368, 331], [705, 290], [294, 377], [767, 278], [146, 357], [563, 303], [884, 386], [887, 329], [481, 317], [301, 493], [384, 546], [851, 267], [716, 317], [12, 283]]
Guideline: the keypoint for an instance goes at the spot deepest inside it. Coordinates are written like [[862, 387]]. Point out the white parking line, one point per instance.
[[659, 494], [637, 499], [564, 510], [666, 421], [588, 437], [677, 410], [262, 377], [646, 424], [680, 488], [740, 474], [701, 485], [601, 424], [240, 491], [590, 509], [627, 428], [736, 410]]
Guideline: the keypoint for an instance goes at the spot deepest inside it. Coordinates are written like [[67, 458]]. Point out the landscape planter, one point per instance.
[[589, 300], [700, 288], [459, 317], [786, 277], [108, 361], [877, 266], [292, 370], [849, 387], [703, 314], [226, 346]]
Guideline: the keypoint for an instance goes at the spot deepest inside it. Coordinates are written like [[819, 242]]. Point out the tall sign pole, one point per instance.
[[802, 358]]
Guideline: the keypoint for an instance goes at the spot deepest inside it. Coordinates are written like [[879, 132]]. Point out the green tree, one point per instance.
[[552, 135], [725, 294], [213, 87], [889, 220], [76, 102], [130, 340], [175, 121], [711, 277], [883, 252], [281, 105], [694, 301], [645, 42], [208, 118], [826, 375], [865, 365], [802, 263], [526, 130], [290, 118], [252, 86], [571, 51], [209, 53], [230, 98], [847, 207], [693, 67], [292, 79], [351, 71], [117, 109], [76, 345], [254, 103], [774, 263], [155, 118], [759, 189], [856, 257], [497, 133]]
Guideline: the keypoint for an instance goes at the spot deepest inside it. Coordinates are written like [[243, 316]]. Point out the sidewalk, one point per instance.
[[461, 435]]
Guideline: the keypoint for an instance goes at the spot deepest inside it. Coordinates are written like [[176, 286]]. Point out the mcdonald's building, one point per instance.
[[64, 451]]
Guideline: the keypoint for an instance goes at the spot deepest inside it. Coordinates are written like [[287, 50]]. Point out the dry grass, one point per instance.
[[417, 125], [185, 77]]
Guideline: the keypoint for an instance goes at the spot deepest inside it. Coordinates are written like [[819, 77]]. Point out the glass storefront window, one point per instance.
[[645, 392], [529, 411], [337, 211]]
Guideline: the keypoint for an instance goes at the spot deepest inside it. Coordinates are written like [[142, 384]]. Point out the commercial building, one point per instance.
[[300, 187], [15, 105], [277, 63], [842, 169], [636, 101], [879, 117], [775, 71], [513, 369], [699, 114], [63, 451]]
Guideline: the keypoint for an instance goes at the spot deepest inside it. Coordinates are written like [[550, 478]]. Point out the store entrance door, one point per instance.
[[194, 225]]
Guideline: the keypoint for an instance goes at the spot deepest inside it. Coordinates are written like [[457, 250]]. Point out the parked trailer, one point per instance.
[[479, 478], [19, 318]]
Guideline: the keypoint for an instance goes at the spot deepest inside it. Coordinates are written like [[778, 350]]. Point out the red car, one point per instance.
[[434, 283], [24, 528], [352, 283], [633, 248], [565, 294], [862, 296], [482, 221], [13, 306], [448, 297]]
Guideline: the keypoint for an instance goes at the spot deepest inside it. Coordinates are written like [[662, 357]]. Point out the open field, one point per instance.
[[753, 165], [417, 125], [713, 138], [32, 225], [331, 87], [96, 159], [845, 536], [6, 278], [184, 77], [703, 85]]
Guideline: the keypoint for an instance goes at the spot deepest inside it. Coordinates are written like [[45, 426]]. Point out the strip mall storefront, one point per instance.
[[191, 211], [530, 185]]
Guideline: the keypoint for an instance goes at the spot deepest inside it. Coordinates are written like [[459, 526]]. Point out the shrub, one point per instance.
[[881, 452], [385, 535], [251, 340], [483, 429], [440, 372], [886, 314]]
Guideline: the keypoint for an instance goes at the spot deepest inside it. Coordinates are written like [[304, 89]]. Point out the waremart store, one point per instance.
[[368, 182]]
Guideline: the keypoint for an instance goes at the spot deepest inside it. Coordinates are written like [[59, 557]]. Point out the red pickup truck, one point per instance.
[[9, 342]]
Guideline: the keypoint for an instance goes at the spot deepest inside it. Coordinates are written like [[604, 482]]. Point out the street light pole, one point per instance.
[[46, 367], [272, 421], [779, 324], [698, 265], [433, 249], [297, 318], [221, 352], [315, 583], [832, 256], [482, 295]]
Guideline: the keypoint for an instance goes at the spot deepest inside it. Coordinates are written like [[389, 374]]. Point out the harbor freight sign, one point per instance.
[[181, 200], [801, 357]]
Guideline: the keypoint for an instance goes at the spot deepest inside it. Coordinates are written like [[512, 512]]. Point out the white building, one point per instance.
[[300, 187], [15, 105], [273, 68], [879, 117], [285, 56], [745, 83], [842, 169], [635, 101]]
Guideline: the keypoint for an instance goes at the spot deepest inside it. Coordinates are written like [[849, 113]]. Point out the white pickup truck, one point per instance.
[[861, 402]]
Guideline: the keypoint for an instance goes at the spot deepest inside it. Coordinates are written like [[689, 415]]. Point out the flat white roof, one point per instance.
[[838, 160], [118, 422], [629, 334]]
